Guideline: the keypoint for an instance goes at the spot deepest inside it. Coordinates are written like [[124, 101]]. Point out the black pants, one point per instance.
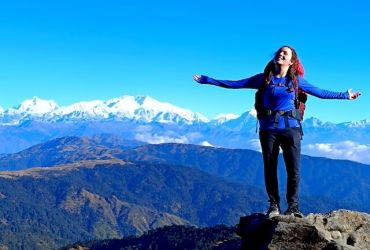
[[290, 142]]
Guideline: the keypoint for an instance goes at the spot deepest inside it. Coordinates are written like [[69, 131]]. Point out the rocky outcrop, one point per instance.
[[338, 230]]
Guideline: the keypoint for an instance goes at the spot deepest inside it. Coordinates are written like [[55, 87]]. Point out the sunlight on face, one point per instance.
[[284, 56]]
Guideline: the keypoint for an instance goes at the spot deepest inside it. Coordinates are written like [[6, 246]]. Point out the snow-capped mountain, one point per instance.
[[145, 119], [313, 122], [222, 118], [35, 107], [357, 124], [142, 108], [245, 122]]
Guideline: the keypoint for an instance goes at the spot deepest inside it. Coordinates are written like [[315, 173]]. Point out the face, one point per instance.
[[284, 56]]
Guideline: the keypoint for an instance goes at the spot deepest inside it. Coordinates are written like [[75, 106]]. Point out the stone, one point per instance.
[[337, 230]]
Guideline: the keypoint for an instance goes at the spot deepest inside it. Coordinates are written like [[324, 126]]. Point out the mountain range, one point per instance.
[[320, 177], [46, 208], [73, 189], [145, 119]]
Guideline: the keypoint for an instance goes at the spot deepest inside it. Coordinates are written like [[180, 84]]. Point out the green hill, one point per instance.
[[45, 208]]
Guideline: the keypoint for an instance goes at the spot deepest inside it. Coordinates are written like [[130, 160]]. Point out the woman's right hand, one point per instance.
[[196, 78], [352, 94]]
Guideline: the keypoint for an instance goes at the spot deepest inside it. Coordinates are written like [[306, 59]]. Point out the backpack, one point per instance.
[[301, 99]]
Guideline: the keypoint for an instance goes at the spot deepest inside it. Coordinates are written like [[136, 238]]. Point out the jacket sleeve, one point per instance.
[[253, 82], [321, 93]]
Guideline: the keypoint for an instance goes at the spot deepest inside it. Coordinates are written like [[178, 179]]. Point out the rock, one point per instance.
[[337, 230]]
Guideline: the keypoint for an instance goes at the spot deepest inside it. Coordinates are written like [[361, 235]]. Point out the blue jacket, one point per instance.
[[277, 96]]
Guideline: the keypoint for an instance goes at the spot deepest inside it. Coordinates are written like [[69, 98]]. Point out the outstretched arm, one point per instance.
[[326, 94], [253, 82]]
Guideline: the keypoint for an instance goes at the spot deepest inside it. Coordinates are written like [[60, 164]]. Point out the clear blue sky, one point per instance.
[[73, 51]]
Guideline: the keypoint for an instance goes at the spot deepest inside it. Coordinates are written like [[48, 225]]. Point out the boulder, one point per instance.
[[337, 230]]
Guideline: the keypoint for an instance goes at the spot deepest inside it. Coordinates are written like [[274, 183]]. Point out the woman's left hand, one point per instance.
[[196, 78], [353, 95]]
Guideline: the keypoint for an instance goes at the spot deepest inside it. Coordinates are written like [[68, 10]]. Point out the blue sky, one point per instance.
[[72, 51]]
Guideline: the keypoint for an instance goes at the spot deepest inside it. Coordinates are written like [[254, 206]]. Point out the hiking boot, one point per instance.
[[293, 210], [274, 210]]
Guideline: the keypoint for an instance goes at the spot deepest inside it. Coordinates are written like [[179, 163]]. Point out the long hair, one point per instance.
[[295, 70]]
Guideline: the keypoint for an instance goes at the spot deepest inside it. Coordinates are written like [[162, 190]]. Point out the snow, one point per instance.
[[358, 124], [35, 106], [223, 118], [124, 106], [226, 117], [253, 113], [141, 108], [312, 122], [206, 144]]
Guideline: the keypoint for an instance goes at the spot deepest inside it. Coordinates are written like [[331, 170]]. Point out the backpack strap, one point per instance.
[[297, 104], [259, 103]]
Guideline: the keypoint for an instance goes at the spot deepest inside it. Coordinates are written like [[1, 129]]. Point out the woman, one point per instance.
[[279, 119]]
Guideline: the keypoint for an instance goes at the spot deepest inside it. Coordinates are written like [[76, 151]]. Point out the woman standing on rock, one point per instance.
[[279, 116]]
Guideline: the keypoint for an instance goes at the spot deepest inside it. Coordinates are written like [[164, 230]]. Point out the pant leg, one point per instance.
[[291, 146], [270, 151]]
